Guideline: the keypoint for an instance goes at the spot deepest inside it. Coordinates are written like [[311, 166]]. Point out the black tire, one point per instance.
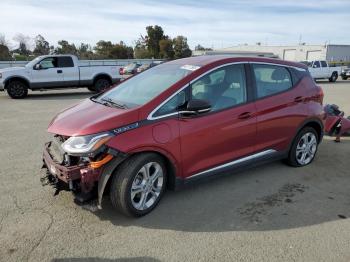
[[344, 77], [333, 77], [17, 89], [124, 178], [292, 156], [101, 84]]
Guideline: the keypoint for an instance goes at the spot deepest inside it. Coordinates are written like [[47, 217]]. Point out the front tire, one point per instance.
[[17, 89], [344, 77], [138, 184], [304, 148]]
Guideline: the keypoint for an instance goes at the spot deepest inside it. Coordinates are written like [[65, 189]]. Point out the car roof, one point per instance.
[[210, 59]]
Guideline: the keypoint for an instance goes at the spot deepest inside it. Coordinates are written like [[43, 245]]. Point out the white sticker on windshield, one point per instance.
[[190, 67]]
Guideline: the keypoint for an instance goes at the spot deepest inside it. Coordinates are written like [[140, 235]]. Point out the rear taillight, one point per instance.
[[319, 95]]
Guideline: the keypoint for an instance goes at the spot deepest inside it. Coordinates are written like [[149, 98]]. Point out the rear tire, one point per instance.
[[138, 184], [17, 89], [101, 84], [304, 148], [344, 77], [333, 77], [91, 89]]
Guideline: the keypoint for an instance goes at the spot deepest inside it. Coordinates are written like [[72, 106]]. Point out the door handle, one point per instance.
[[59, 71], [245, 115], [299, 99]]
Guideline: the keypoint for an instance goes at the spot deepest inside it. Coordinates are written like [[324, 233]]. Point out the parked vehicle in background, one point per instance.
[[56, 71], [130, 69], [345, 73], [321, 70], [181, 121], [145, 67]]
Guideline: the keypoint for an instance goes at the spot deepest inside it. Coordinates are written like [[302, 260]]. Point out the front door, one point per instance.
[[48, 75], [228, 131]]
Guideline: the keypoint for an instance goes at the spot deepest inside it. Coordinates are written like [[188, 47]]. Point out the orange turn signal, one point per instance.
[[101, 162]]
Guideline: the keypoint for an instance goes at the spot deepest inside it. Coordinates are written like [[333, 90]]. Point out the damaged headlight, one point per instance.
[[77, 145]]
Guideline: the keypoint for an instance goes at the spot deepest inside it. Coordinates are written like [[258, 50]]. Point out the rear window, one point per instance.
[[65, 61], [271, 79]]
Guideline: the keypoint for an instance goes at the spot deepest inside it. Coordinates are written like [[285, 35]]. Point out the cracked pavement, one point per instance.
[[269, 213]]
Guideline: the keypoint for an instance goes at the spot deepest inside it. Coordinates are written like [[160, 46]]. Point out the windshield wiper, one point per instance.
[[110, 102]]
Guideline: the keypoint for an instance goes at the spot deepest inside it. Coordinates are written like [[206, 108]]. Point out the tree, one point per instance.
[[23, 44], [140, 50], [201, 48], [65, 48], [181, 48], [84, 51], [166, 50], [106, 49], [154, 35], [42, 47], [4, 49]]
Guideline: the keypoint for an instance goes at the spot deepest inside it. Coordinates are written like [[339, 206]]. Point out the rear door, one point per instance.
[[49, 75], [325, 72], [69, 71], [228, 132], [317, 72], [280, 106]]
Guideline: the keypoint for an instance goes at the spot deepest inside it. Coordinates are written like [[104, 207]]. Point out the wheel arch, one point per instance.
[[101, 76], [17, 78], [316, 124]]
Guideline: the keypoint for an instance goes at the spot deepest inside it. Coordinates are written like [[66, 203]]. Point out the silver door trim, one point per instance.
[[235, 162]]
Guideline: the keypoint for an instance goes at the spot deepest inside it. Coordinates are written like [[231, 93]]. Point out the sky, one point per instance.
[[215, 24]]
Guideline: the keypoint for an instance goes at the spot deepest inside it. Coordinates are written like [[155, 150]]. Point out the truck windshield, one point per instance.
[[33, 62], [145, 86]]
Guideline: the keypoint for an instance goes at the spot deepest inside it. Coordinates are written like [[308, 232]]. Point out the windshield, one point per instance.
[[33, 62], [145, 86]]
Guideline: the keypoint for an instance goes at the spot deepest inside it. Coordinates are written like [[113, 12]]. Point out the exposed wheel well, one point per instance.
[[102, 76], [17, 79], [318, 128]]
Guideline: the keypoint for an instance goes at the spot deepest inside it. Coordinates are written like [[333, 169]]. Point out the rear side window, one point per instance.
[[271, 79], [65, 61], [323, 64]]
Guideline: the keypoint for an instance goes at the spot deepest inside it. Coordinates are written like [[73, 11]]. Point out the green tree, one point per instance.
[[42, 47], [201, 48], [65, 48], [140, 50], [4, 52], [154, 35], [23, 45], [103, 49], [166, 50], [84, 51], [181, 48]]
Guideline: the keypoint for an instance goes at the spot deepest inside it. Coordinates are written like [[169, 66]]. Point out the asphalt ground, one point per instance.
[[269, 213]]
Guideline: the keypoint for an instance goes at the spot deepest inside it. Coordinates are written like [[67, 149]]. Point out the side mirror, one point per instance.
[[37, 67], [196, 106]]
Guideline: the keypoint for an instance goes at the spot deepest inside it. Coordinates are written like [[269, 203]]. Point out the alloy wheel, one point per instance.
[[306, 148], [147, 186]]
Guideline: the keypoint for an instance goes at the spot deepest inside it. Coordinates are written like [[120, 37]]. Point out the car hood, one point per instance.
[[88, 117]]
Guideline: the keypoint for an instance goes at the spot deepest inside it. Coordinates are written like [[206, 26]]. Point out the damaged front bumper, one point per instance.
[[85, 180]]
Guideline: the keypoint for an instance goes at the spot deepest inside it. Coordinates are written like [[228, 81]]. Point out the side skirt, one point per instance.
[[233, 167]]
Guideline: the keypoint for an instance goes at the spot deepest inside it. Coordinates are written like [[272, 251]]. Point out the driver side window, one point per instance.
[[50, 62]]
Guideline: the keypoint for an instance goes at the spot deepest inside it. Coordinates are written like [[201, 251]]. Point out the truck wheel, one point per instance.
[[333, 77], [17, 89], [101, 85], [344, 77], [304, 148], [138, 184]]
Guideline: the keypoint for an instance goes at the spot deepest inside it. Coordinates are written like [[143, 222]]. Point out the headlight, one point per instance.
[[85, 144]]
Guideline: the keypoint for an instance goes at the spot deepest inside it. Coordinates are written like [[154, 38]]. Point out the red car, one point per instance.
[[181, 121]]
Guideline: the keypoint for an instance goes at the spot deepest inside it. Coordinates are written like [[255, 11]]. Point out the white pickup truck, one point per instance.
[[57, 72], [321, 70]]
